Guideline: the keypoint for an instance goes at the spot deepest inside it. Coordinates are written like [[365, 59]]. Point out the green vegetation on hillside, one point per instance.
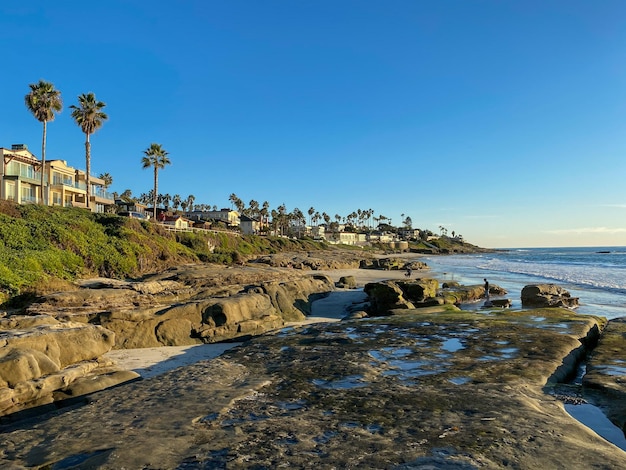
[[41, 246]]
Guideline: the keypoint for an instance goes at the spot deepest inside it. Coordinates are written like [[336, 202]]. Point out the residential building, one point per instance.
[[407, 233], [99, 198], [64, 188], [133, 206], [20, 181], [229, 217], [345, 238], [20, 173], [249, 226], [177, 222], [318, 232], [380, 237]]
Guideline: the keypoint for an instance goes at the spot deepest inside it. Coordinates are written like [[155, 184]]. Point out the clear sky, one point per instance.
[[504, 121]]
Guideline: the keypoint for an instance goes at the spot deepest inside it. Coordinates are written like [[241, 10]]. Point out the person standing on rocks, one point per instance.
[[486, 290]]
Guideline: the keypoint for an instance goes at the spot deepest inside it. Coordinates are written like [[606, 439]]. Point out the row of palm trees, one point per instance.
[[356, 220], [44, 102]]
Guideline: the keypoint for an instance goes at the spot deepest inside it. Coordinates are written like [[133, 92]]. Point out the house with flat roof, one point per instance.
[[63, 185], [229, 217], [249, 226]]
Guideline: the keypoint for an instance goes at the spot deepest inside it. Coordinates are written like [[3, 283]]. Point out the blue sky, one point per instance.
[[504, 121]]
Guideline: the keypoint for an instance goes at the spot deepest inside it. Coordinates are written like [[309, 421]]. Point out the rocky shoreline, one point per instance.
[[398, 390]]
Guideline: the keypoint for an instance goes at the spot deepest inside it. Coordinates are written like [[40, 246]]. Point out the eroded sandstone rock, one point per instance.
[[37, 363], [388, 295], [604, 383], [56, 347], [547, 295]]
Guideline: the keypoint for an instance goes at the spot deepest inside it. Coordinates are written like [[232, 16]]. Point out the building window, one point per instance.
[[57, 199], [28, 194]]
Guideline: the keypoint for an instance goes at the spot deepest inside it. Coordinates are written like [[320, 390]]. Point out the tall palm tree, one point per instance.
[[43, 101], [155, 156], [264, 213], [190, 200], [89, 117]]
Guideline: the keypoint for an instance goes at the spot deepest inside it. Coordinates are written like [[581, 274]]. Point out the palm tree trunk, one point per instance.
[[43, 160], [156, 186], [88, 168]]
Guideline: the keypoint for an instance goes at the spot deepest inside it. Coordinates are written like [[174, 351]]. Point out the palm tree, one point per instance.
[[107, 178], [176, 200], [166, 198], [89, 117], [253, 209], [43, 102], [190, 200], [264, 213], [127, 196], [155, 156], [233, 200]]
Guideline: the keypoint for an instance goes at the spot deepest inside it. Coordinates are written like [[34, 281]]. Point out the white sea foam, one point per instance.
[[597, 277]]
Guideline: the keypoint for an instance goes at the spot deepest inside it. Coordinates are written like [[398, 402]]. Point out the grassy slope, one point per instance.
[[43, 248]]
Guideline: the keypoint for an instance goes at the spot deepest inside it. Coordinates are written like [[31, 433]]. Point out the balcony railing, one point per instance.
[[25, 173], [69, 183], [98, 192], [63, 181]]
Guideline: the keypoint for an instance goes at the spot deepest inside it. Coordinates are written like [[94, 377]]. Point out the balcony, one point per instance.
[[100, 193], [25, 174], [29, 200], [69, 183]]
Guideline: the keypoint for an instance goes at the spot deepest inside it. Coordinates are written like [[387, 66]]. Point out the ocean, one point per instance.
[[597, 276]]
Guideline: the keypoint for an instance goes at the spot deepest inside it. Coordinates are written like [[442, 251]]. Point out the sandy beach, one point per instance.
[[151, 362]]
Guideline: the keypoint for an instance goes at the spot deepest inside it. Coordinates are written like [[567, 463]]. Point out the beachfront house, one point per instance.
[[344, 238], [249, 226], [177, 222], [407, 233], [133, 206], [20, 171], [318, 232], [228, 217], [63, 185]]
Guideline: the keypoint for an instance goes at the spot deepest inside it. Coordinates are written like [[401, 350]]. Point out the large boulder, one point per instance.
[[39, 362], [385, 296], [387, 264], [455, 293], [547, 295], [420, 289], [347, 282], [317, 260]]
